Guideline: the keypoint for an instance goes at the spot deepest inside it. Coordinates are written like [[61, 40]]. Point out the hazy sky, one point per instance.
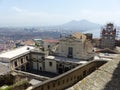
[[50, 12]]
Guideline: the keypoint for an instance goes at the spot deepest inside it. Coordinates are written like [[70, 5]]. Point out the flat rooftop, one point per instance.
[[64, 59], [15, 52]]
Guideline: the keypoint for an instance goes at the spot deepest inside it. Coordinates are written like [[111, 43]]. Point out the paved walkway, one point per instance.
[[107, 77]]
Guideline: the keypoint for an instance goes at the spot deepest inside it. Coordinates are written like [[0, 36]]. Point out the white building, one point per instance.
[[59, 65], [37, 60], [70, 52], [75, 46], [17, 58]]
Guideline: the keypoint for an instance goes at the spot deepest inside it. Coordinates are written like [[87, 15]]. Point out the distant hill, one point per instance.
[[82, 25]]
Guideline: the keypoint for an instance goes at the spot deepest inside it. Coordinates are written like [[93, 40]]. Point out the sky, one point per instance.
[[55, 12]]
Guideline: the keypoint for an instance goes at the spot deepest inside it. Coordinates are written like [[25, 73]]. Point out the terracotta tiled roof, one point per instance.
[[29, 42], [51, 40]]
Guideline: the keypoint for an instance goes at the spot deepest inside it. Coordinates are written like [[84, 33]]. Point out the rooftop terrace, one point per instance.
[[16, 52]]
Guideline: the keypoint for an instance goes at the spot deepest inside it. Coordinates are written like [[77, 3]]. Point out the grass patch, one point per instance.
[[7, 88], [22, 82]]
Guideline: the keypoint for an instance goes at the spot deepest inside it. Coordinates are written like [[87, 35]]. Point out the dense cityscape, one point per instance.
[[59, 45]]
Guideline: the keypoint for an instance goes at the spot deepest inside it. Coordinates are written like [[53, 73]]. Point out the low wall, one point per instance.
[[30, 75], [69, 78]]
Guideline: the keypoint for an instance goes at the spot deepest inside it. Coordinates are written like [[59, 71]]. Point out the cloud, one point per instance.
[[26, 17], [17, 9]]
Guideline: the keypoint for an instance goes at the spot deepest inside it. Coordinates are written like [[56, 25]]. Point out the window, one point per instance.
[[50, 64], [84, 73], [73, 66], [105, 37], [15, 63], [53, 84], [26, 57], [48, 46], [42, 58], [58, 82], [80, 77], [70, 52], [67, 80], [21, 60], [106, 33], [48, 87], [111, 37], [41, 88], [74, 77], [40, 68], [63, 81]]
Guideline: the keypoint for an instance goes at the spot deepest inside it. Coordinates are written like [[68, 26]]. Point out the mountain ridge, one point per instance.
[[80, 25]]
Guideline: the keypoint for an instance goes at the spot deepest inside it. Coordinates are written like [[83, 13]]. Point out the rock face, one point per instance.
[[106, 77]]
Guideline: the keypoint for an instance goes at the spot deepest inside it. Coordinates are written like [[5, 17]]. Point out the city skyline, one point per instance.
[[55, 12]]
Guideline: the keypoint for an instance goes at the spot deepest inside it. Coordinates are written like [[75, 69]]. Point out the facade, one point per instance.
[[37, 60], [60, 65], [17, 58], [75, 46], [70, 52], [69, 78], [108, 35]]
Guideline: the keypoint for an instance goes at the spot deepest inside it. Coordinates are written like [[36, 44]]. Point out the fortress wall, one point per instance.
[[69, 78]]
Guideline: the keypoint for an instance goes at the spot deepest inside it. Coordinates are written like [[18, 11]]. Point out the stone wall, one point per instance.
[[107, 77], [69, 78], [30, 75]]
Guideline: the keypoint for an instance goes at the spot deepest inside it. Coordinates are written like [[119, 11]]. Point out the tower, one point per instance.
[[108, 35]]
